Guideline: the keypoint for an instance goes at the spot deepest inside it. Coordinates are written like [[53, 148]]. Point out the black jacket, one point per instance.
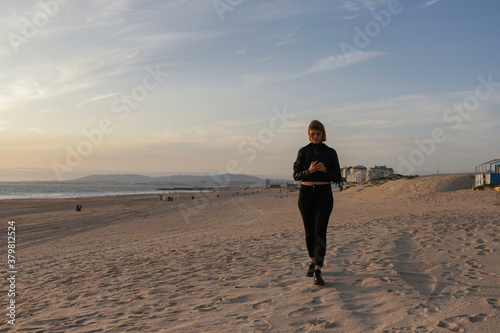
[[320, 152]]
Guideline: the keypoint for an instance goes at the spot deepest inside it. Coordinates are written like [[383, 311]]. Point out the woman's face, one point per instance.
[[315, 136]]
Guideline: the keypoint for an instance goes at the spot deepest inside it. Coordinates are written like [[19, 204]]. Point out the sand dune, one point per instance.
[[419, 187], [413, 255]]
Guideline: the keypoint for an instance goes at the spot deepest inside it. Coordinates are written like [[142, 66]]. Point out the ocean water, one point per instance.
[[25, 190]]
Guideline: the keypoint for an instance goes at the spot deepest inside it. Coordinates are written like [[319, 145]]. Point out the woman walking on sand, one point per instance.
[[317, 165]]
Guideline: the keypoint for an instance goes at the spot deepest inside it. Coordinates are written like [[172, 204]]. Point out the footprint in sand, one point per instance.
[[261, 325], [238, 299], [411, 329], [204, 308], [460, 293], [474, 289], [474, 263], [446, 274], [452, 326], [316, 300], [485, 250], [495, 303], [424, 308], [320, 324], [300, 312], [261, 304], [480, 317], [490, 274], [473, 274], [385, 279]]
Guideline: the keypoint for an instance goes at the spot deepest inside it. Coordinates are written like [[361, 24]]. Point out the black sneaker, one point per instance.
[[310, 270], [318, 279]]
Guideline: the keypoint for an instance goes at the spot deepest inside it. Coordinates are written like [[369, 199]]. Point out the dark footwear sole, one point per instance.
[[318, 279], [310, 272], [319, 282]]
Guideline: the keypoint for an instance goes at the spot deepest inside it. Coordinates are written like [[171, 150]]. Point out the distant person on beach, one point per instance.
[[317, 166]]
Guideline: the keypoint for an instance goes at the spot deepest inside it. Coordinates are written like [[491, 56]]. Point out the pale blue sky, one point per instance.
[[381, 75]]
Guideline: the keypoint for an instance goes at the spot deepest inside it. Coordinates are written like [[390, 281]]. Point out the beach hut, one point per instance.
[[488, 173]]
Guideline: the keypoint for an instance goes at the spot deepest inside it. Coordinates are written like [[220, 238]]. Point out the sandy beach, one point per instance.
[[412, 255]]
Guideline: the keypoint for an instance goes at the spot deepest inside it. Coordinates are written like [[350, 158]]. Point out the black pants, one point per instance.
[[315, 205]]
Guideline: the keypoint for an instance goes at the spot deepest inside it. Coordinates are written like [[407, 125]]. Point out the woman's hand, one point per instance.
[[317, 166], [313, 167], [321, 167]]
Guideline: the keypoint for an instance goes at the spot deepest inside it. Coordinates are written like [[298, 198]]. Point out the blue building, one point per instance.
[[488, 173]]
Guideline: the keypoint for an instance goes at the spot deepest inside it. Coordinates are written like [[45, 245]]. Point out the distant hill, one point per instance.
[[189, 180], [124, 178]]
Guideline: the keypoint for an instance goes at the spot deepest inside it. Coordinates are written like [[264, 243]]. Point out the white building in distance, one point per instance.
[[354, 174], [377, 172], [360, 174]]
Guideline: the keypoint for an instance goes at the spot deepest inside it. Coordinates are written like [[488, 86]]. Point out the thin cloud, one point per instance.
[[279, 10], [96, 98], [39, 82], [240, 52], [360, 5], [112, 12], [430, 3], [286, 39], [341, 61], [322, 65], [168, 37]]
